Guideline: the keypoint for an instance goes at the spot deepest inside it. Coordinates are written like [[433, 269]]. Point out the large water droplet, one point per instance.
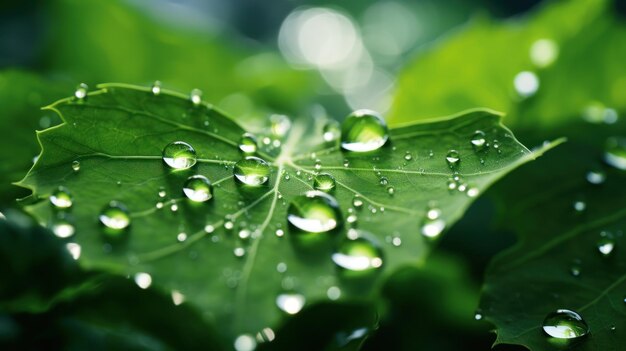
[[615, 152], [363, 131], [248, 143], [252, 171], [291, 303], [314, 212], [453, 158], [478, 140], [324, 182], [331, 131], [81, 91], [198, 188], [61, 198], [179, 155], [115, 217], [358, 252], [565, 324]]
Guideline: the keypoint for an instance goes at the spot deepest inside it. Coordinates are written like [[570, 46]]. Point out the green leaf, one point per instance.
[[557, 263], [488, 55], [117, 134]]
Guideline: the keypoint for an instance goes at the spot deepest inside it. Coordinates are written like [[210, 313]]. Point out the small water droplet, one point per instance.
[[81, 91], [478, 315], [115, 217], [472, 192], [333, 293], [579, 206], [280, 233], [245, 342], [248, 143], [239, 251], [280, 125], [478, 140], [324, 182], [143, 280], [74, 249], [596, 176], [357, 202], [432, 228], [198, 188], [76, 166], [575, 269], [363, 131], [331, 131], [228, 225], [61, 198], [453, 158], [181, 237], [252, 171], [408, 156], [177, 297], [565, 324], [358, 253], [384, 181], [615, 152], [314, 212], [391, 190], [544, 52], [318, 164], [196, 97], [179, 155], [606, 244], [63, 229], [526, 83], [346, 163], [156, 88], [290, 303]]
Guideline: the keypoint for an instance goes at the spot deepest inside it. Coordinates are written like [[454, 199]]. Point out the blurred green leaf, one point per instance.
[[118, 134], [557, 263], [559, 43], [22, 95]]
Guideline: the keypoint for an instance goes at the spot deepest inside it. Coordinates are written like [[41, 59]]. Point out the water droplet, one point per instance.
[[579, 206], [266, 335], [363, 131], [239, 251], [209, 228], [318, 164], [248, 143], [143, 280], [74, 249], [333, 293], [61, 198], [81, 91], [431, 228], [565, 324], [359, 252], [290, 303], [391, 190], [115, 217], [384, 181], [76, 166], [478, 315], [63, 229], [331, 131], [196, 97], [575, 269], [472, 192], [314, 212], [252, 171], [357, 202], [478, 140], [198, 188], [181, 237], [596, 176], [615, 152], [156, 88], [177, 297], [346, 162], [408, 156], [526, 83], [280, 125], [280, 233], [453, 158], [324, 182], [228, 225], [606, 244], [179, 155], [544, 52], [245, 342]]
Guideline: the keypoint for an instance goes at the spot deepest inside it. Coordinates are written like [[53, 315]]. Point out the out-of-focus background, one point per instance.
[[546, 64]]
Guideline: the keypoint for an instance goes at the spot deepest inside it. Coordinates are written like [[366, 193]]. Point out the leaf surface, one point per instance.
[[118, 133]]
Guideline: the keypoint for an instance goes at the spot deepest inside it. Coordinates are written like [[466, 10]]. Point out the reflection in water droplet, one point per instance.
[[198, 188], [359, 252], [314, 212], [76, 166], [63, 229], [453, 158], [196, 97], [615, 152], [478, 140], [565, 324], [61, 198], [324, 182], [245, 342], [156, 88], [363, 131], [81, 91], [290, 303], [331, 131], [526, 83], [179, 155], [115, 217], [248, 143], [143, 280], [252, 171]]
